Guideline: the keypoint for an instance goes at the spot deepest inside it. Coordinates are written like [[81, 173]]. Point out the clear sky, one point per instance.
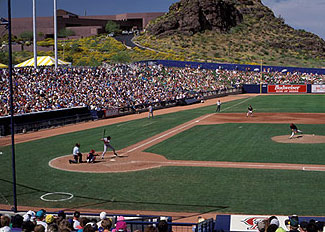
[[300, 14]]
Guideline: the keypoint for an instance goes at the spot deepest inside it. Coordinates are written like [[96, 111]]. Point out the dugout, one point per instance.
[[45, 119]]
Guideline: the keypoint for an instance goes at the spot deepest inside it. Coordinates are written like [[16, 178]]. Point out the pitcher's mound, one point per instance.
[[300, 138]]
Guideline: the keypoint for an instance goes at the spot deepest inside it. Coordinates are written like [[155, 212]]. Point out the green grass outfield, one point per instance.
[[175, 188], [243, 143]]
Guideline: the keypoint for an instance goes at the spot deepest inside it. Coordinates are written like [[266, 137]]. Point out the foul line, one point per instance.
[[230, 165], [180, 128]]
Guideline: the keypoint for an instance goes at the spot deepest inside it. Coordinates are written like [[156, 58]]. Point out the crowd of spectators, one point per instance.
[[292, 224], [118, 86], [41, 221]]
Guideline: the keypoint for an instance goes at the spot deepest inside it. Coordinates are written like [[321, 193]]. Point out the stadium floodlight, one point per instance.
[[12, 110], [55, 35], [34, 34]]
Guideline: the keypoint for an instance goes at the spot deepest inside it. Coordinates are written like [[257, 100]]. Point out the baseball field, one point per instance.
[[188, 160]]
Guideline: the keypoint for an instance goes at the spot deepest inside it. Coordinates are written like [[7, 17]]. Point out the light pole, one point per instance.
[[12, 110], [34, 34], [55, 35]]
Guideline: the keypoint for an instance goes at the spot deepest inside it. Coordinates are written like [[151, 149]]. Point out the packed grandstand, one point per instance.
[[122, 85], [42, 221]]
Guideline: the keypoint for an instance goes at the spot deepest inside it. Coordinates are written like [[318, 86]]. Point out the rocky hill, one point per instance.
[[192, 16], [242, 31]]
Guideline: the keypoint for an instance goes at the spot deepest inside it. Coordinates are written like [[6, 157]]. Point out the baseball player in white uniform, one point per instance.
[[77, 156], [150, 111], [107, 144]]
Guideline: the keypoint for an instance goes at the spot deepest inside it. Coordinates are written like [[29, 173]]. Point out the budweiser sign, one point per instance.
[[287, 88]]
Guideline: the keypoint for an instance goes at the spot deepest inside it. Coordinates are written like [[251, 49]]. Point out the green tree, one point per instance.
[[112, 27], [25, 38]]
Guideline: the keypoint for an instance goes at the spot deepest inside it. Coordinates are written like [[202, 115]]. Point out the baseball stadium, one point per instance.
[[132, 139]]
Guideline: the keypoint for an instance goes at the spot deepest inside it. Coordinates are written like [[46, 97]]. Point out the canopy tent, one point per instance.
[[3, 66], [41, 61]]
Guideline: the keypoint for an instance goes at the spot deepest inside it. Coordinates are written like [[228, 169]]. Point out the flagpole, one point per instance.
[[34, 34], [55, 35]]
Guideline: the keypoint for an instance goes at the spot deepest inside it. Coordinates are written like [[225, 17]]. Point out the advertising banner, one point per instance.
[[318, 88], [287, 88], [248, 223], [111, 112]]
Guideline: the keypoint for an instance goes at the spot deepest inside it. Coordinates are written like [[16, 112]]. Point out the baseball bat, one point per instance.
[[104, 133]]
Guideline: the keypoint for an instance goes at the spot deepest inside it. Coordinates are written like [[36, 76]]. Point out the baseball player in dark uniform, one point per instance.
[[294, 130], [218, 106], [250, 111]]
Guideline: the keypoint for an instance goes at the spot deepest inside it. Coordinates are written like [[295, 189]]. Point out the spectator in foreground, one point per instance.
[[162, 226], [303, 226], [75, 220], [4, 224], [16, 222], [105, 225], [40, 217], [120, 225], [65, 225], [294, 224]]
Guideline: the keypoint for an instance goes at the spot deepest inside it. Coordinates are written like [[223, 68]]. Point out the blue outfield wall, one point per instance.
[[251, 88], [255, 88], [240, 67]]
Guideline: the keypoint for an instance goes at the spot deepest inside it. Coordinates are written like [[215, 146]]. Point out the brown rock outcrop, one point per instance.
[[192, 16]]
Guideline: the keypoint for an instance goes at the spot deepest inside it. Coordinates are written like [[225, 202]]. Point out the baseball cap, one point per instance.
[[61, 214], [40, 213], [274, 221], [76, 214], [31, 213], [49, 218], [26, 217], [102, 215], [294, 222]]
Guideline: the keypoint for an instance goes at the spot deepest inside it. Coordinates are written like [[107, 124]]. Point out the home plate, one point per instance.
[[122, 156], [112, 160]]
